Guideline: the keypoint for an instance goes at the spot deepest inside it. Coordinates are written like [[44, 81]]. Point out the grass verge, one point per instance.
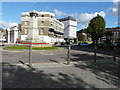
[[34, 48]]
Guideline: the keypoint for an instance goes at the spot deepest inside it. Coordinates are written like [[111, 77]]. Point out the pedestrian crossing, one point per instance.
[[45, 65]]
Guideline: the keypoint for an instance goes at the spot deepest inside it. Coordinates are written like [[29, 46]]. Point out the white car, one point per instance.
[[1, 43]]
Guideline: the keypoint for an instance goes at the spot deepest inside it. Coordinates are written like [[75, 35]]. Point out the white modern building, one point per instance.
[[50, 29], [70, 27]]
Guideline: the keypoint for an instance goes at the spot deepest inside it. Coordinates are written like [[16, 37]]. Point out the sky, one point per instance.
[[82, 11]]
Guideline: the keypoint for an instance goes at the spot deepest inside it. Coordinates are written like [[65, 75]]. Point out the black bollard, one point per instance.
[[114, 53], [95, 51], [68, 55], [30, 55]]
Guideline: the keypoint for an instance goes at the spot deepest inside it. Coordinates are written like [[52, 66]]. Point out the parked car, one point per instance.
[[117, 44], [83, 44], [65, 43], [101, 45]]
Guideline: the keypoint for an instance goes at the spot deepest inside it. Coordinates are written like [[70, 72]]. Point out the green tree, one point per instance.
[[96, 27]]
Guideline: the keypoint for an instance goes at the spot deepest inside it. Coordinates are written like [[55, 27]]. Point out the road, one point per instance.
[[48, 56]]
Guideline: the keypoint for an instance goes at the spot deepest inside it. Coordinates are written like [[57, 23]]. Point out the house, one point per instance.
[[70, 27], [13, 34], [50, 29]]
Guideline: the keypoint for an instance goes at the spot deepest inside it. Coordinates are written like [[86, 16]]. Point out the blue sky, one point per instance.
[[82, 11]]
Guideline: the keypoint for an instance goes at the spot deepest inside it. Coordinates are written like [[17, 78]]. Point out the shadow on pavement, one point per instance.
[[99, 50], [18, 77], [106, 71]]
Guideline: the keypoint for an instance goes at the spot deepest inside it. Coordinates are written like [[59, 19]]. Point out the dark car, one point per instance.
[[83, 44]]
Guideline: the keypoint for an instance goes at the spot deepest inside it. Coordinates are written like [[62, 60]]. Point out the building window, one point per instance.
[[42, 15], [41, 30], [26, 31], [51, 24], [56, 27], [26, 23], [42, 22]]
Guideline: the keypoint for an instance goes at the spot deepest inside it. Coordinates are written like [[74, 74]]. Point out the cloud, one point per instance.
[[114, 9], [84, 18], [116, 23], [7, 24], [59, 13]]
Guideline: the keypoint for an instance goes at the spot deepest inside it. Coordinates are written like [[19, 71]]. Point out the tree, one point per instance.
[[96, 27]]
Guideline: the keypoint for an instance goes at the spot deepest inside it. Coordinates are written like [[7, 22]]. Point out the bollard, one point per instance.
[[68, 56], [95, 52], [114, 53], [30, 55]]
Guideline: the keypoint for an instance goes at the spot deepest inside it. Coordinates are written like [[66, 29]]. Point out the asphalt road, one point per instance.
[[48, 56]]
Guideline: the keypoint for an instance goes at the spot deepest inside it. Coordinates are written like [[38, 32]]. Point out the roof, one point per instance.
[[67, 18], [43, 12]]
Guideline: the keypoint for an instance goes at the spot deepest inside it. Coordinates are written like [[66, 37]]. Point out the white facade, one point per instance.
[[70, 27], [12, 34]]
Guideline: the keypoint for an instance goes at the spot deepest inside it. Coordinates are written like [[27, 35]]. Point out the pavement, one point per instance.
[[50, 70], [51, 75]]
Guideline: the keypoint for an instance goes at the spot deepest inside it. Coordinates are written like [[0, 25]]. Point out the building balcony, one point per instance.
[[55, 32]]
